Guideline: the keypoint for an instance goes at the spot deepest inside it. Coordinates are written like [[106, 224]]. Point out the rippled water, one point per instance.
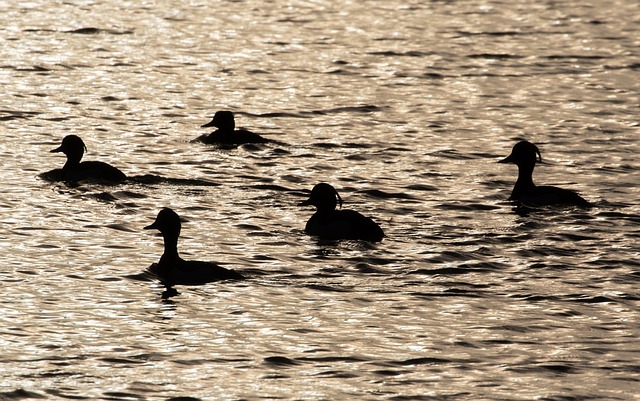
[[404, 107]]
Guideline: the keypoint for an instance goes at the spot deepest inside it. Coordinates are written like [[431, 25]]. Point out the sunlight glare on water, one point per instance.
[[405, 108]]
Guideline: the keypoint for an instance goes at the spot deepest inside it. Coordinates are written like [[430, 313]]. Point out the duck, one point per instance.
[[525, 155], [172, 269], [74, 170], [329, 223], [226, 134]]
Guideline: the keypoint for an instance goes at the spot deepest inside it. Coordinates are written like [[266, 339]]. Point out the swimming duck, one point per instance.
[[172, 269], [525, 191], [329, 223], [226, 134], [74, 170]]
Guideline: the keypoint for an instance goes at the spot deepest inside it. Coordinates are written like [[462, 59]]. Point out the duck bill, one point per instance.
[[508, 159], [151, 227], [56, 150], [305, 203], [209, 124]]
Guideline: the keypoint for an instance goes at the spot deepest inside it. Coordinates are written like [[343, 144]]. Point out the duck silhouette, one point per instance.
[[226, 134], [329, 223], [172, 269], [74, 170], [525, 155]]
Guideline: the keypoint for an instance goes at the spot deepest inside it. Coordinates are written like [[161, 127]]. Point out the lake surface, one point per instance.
[[405, 107]]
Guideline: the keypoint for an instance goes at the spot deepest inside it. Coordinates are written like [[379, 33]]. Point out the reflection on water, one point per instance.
[[405, 109]]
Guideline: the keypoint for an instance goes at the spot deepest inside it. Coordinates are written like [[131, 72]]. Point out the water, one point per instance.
[[404, 107]]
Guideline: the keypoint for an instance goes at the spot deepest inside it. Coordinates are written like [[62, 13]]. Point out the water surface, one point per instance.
[[405, 107]]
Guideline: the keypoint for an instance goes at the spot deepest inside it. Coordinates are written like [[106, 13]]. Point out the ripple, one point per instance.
[[407, 118]]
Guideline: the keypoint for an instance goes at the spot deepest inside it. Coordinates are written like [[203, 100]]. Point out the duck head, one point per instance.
[[323, 197], [167, 222], [223, 120], [72, 146], [523, 154]]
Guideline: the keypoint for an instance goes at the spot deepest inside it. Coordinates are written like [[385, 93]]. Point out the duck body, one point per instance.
[[172, 269], [177, 271], [92, 170], [548, 195], [76, 170], [328, 223], [526, 192], [343, 224], [237, 137], [226, 134]]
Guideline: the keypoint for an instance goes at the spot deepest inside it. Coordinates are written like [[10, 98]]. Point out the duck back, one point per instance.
[[239, 137], [94, 170], [344, 224], [191, 272], [549, 195]]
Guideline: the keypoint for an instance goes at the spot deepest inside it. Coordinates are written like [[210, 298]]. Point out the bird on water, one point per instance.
[[525, 155], [227, 134], [329, 223], [76, 170], [172, 269]]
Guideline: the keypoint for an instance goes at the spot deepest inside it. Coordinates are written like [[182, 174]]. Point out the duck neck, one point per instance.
[[524, 184], [220, 133], [325, 210], [170, 246], [225, 129], [73, 160]]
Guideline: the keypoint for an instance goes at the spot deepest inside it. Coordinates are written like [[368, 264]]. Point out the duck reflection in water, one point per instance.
[[329, 223], [172, 269], [74, 170], [525, 155], [226, 134]]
